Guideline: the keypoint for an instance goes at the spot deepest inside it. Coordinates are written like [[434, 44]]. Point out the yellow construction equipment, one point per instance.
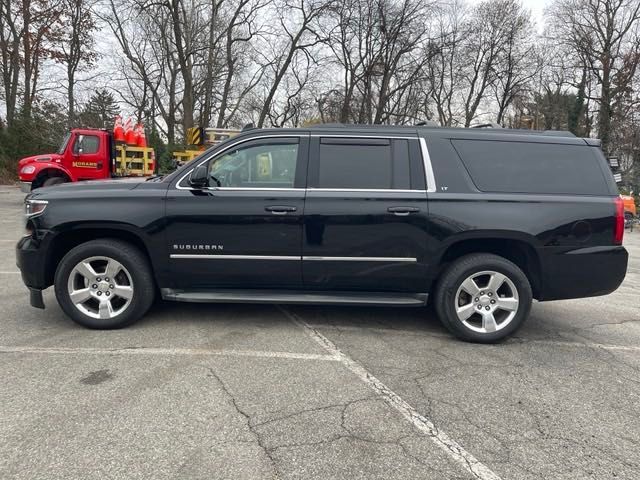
[[133, 161], [199, 139]]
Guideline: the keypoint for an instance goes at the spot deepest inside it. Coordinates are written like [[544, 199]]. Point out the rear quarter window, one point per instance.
[[526, 167]]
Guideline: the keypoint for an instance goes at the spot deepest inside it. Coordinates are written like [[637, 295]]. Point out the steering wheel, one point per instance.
[[215, 180]]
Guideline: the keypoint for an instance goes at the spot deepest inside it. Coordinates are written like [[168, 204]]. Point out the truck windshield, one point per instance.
[[65, 141]]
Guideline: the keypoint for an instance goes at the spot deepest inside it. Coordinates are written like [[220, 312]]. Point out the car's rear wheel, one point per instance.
[[104, 284], [483, 298]]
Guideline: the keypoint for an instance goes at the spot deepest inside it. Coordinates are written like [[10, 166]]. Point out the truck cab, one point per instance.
[[85, 154]]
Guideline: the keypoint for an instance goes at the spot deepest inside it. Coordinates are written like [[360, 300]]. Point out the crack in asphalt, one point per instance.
[[257, 436]]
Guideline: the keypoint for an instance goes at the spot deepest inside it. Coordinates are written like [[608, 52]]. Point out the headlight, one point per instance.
[[34, 207], [28, 169]]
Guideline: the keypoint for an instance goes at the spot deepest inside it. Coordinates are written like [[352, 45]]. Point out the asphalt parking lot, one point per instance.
[[234, 391]]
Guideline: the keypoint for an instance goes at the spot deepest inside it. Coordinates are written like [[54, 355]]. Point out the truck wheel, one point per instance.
[[483, 298], [53, 181], [104, 284]]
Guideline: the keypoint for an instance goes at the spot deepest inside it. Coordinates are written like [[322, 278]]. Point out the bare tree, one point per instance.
[[298, 32], [76, 45], [518, 61], [27, 28], [486, 33], [605, 36], [443, 71]]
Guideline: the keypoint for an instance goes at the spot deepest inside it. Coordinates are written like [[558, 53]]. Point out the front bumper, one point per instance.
[[25, 187], [30, 259], [583, 272]]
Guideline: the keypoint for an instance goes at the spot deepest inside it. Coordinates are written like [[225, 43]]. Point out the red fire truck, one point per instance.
[[86, 154]]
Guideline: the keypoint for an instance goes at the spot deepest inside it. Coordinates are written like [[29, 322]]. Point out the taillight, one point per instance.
[[618, 229]]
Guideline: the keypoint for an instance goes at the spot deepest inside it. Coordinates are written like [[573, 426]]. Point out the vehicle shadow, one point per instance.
[[420, 321]]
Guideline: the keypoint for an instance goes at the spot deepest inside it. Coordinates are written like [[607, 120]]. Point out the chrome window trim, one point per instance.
[[364, 190], [426, 158], [240, 141], [313, 258], [250, 189], [364, 137], [428, 168]]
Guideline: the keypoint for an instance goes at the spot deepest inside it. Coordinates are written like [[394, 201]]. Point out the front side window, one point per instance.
[[86, 144], [364, 164], [257, 166]]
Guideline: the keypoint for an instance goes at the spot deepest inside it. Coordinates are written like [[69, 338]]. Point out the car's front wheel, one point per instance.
[[104, 284], [483, 298]]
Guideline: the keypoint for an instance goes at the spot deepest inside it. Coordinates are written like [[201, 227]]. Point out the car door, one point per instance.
[[365, 226], [88, 157], [245, 229]]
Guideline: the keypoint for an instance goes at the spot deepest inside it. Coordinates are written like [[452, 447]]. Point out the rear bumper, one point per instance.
[[25, 187], [584, 272]]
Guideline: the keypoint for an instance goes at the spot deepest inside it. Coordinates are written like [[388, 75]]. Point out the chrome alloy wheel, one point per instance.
[[486, 302], [100, 287]]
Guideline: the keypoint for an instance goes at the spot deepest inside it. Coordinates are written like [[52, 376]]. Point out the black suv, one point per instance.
[[478, 221]]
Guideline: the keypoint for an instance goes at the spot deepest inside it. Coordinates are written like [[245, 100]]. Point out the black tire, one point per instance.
[[131, 258], [453, 277], [49, 182]]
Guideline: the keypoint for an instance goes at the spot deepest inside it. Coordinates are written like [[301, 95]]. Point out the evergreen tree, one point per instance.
[[100, 111]]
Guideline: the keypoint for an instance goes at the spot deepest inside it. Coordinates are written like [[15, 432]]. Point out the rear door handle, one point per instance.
[[280, 209], [402, 211]]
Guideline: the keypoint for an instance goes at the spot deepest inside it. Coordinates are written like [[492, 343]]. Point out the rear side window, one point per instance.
[[523, 167], [364, 164]]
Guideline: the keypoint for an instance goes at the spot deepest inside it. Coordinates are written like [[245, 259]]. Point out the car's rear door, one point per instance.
[[365, 225]]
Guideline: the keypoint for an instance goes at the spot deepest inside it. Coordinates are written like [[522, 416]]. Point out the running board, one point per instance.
[[293, 297]]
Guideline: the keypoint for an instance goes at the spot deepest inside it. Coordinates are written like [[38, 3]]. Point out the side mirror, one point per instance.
[[199, 177]]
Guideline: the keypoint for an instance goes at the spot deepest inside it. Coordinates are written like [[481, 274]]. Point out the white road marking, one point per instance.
[[623, 348], [166, 351], [426, 333], [422, 423], [9, 273]]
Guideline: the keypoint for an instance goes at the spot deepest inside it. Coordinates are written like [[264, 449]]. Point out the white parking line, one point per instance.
[[622, 348], [166, 351], [426, 333], [5, 272], [422, 423]]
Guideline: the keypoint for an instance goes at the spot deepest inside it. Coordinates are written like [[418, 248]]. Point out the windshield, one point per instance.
[[65, 141]]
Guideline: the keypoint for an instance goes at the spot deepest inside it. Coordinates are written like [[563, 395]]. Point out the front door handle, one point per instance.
[[280, 209], [402, 211]]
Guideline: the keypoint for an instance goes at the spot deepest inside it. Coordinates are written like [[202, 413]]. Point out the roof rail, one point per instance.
[[487, 125], [427, 123], [556, 133], [332, 124]]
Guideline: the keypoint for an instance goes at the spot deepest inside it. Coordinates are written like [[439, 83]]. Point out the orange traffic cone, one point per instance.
[[118, 130], [142, 138], [129, 136]]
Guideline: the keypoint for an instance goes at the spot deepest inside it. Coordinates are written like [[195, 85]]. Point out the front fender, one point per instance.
[[43, 166]]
